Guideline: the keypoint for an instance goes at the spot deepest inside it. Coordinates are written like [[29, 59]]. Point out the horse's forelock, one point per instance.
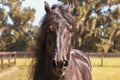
[[56, 16]]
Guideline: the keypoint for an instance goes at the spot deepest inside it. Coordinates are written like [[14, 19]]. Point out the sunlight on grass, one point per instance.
[[110, 70], [23, 61], [106, 73], [23, 70], [110, 62], [20, 74]]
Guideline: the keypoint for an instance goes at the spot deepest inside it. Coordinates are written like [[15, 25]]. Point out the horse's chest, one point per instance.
[[74, 72]]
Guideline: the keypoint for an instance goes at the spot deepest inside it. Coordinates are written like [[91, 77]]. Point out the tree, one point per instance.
[[16, 36], [97, 24]]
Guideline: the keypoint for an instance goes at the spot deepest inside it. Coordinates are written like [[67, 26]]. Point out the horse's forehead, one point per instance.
[[58, 7], [59, 25]]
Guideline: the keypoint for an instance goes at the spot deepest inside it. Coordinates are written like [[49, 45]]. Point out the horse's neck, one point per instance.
[[73, 70], [81, 65]]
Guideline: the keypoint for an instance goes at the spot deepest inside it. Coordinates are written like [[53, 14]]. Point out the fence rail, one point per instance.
[[7, 59], [103, 55], [24, 54], [11, 56]]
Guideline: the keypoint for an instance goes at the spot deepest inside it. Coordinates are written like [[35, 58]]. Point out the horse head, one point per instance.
[[58, 26]]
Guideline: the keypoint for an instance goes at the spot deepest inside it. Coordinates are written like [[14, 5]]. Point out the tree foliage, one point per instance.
[[98, 25], [17, 33]]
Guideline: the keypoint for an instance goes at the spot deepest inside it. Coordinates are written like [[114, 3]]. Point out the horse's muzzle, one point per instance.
[[59, 67], [59, 64]]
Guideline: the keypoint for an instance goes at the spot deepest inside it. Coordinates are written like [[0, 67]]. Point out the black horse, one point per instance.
[[54, 58]]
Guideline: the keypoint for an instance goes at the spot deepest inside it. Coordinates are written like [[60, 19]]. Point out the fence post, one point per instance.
[[2, 63], [9, 56], [15, 55], [101, 60]]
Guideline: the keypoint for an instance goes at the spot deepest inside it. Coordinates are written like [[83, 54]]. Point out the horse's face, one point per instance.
[[58, 40], [58, 48]]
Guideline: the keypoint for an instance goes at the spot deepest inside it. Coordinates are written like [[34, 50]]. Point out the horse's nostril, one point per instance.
[[59, 64], [54, 63], [65, 63]]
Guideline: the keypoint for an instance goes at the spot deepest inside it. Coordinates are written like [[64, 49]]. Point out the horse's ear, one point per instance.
[[47, 7], [70, 8]]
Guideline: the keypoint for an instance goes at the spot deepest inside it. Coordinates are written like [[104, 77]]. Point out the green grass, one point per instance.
[[22, 71], [20, 74], [110, 70], [106, 73], [108, 62]]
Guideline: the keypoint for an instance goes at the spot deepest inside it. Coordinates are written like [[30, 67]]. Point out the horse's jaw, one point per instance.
[[59, 72]]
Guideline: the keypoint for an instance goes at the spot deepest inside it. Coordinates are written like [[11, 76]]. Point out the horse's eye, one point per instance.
[[51, 37], [53, 7]]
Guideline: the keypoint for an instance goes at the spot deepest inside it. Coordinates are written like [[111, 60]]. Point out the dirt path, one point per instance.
[[8, 72]]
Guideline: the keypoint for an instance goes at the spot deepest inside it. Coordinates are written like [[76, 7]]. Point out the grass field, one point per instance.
[[110, 70]]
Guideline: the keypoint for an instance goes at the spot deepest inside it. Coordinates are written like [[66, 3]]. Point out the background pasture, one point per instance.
[[110, 70]]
